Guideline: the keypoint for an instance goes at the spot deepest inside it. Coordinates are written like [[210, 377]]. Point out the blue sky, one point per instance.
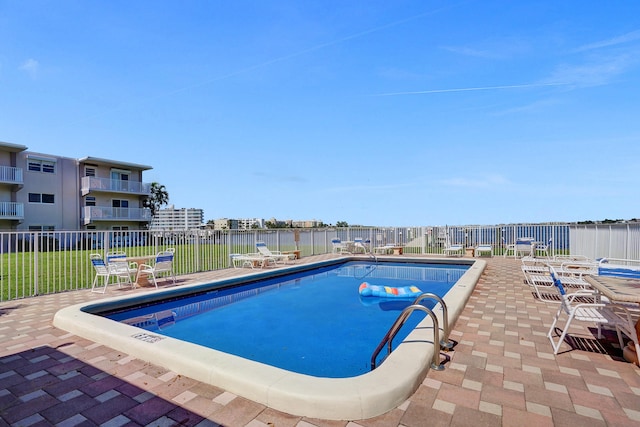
[[378, 113]]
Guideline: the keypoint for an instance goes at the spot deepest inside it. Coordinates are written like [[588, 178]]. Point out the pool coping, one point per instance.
[[354, 398]]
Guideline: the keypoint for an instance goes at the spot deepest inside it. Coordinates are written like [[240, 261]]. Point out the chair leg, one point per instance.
[[556, 345], [93, 285], [105, 283], [153, 276], [137, 278]]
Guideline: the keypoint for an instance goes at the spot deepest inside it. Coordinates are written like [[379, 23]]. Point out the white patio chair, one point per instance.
[[117, 263], [360, 245], [104, 271], [338, 247], [163, 265], [508, 247], [543, 248], [596, 311]]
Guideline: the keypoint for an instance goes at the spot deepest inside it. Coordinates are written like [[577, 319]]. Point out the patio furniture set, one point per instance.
[[131, 270], [604, 292]]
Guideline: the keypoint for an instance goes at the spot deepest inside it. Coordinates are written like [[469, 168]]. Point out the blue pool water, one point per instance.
[[314, 323]]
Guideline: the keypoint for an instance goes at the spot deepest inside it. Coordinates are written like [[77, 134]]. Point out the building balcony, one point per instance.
[[92, 184], [11, 176], [12, 211], [103, 213]]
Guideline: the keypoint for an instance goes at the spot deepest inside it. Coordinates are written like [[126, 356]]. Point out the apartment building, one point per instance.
[[177, 219], [45, 192]]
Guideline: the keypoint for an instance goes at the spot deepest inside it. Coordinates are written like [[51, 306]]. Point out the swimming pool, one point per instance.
[[356, 397], [313, 322]]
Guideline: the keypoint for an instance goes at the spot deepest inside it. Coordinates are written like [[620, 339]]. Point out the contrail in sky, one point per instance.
[[468, 89], [282, 58]]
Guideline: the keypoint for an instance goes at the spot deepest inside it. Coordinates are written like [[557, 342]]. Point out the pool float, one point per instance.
[[368, 290]]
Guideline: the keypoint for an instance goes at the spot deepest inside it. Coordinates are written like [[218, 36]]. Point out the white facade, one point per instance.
[[177, 219]]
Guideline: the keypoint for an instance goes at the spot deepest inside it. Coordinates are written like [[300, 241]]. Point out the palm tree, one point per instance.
[[158, 198]]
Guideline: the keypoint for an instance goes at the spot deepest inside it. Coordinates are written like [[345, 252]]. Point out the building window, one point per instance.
[[90, 201], [41, 198], [120, 175], [40, 165], [119, 203], [89, 171], [41, 228]]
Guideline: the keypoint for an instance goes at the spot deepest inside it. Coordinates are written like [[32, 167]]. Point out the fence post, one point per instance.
[[36, 285]]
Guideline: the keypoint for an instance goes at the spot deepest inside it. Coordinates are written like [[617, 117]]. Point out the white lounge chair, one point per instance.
[[384, 249], [277, 256], [539, 278], [455, 249], [163, 265], [619, 267], [252, 260], [483, 248]]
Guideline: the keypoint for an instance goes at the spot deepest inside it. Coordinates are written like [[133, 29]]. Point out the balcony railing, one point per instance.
[[99, 213], [91, 183], [11, 175], [12, 210]]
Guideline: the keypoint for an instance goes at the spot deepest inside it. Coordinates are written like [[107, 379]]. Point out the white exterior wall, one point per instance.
[[64, 213]]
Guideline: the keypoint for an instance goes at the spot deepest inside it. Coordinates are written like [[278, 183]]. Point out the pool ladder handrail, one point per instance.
[[444, 343]]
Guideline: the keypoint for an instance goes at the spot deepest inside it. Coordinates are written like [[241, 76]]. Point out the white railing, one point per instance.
[[106, 213], [91, 183], [11, 210], [11, 174], [35, 263]]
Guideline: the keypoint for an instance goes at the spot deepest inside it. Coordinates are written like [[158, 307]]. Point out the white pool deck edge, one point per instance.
[[355, 398]]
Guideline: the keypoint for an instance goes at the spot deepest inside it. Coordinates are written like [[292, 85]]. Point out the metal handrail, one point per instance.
[[402, 318], [445, 343]]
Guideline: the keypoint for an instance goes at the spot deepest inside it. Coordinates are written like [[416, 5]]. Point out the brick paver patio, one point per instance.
[[502, 371]]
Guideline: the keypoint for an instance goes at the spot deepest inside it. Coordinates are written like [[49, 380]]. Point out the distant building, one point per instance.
[[177, 219], [225, 224], [306, 224], [46, 192], [250, 223]]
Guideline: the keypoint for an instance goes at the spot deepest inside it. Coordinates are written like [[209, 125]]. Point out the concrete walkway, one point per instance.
[[501, 372]]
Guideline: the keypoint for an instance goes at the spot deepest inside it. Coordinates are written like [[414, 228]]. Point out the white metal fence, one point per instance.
[[35, 263]]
